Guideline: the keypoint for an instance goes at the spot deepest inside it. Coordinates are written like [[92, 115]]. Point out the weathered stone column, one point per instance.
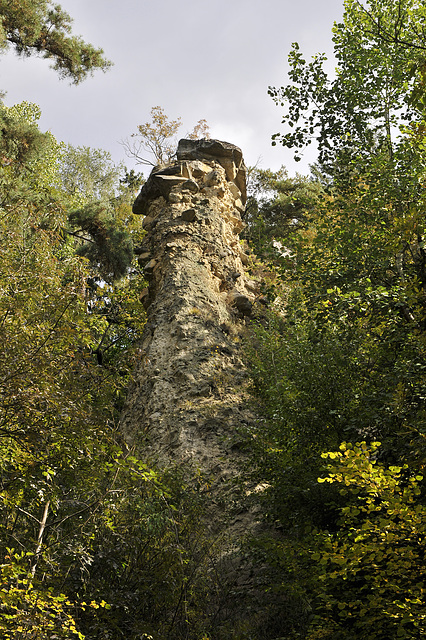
[[188, 396]]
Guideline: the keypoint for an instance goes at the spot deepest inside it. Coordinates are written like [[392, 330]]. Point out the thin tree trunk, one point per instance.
[[40, 536]]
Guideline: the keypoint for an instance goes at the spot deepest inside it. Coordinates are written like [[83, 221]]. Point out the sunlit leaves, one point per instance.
[[371, 571], [88, 174]]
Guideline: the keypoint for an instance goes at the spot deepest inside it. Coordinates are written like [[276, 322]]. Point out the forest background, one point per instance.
[[96, 543]]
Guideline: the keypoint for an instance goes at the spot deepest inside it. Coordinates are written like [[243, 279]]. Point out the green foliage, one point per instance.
[[363, 578], [88, 174], [153, 560], [39, 27], [379, 51], [356, 271], [61, 462], [276, 205], [371, 572], [100, 218], [345, 358], [29, 611], [359, 268], [108, 247], [305, 387], [24, 147]]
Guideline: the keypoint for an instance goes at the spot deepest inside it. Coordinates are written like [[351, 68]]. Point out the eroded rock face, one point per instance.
[[189, 394], [188, 397]]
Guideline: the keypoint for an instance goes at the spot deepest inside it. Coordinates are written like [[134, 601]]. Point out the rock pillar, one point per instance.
[[188, 399], [188, 396]]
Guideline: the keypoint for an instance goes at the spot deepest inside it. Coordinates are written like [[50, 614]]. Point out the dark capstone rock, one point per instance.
[[208, 149], [177, 169], [161, 180]]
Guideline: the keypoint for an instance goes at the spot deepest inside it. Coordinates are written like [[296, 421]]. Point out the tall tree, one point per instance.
[[63, 373], [379, 49], [346, 362], [100, 210]]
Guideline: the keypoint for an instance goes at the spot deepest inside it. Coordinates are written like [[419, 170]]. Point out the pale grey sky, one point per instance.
[[195, 58]]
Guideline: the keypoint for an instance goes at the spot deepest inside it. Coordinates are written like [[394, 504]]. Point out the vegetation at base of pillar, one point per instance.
[[40, 27], [371, 571]]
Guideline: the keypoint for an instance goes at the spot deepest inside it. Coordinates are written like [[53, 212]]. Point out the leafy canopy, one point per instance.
[[378, 83], [371, 572], [67, 351], [346, 361]]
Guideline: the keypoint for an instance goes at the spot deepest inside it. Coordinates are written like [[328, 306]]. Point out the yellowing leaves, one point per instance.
[[379, 548]]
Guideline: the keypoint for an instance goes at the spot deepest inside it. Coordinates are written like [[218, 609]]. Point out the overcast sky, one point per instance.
[[195, 58]]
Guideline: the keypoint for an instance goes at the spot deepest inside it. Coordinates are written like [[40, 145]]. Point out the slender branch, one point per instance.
[[30, 515], [40, 536], [76, 234], [386, 37]]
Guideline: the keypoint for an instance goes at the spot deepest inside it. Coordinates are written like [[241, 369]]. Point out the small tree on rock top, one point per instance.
[[155, 143]]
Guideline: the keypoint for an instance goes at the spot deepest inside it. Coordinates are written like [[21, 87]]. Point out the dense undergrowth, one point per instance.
[[94, 542]]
